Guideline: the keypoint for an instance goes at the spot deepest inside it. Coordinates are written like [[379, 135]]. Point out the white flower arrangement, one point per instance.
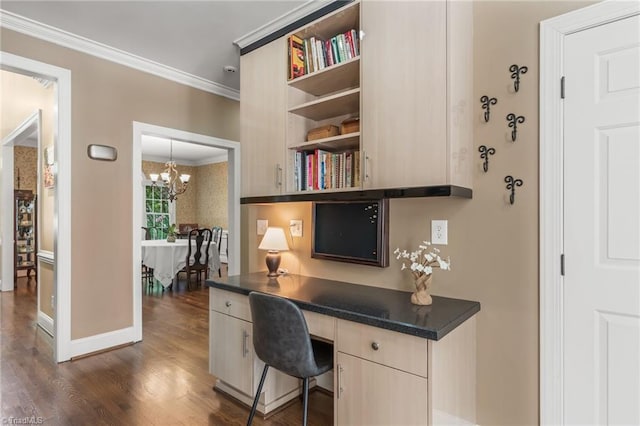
[[422, 260]]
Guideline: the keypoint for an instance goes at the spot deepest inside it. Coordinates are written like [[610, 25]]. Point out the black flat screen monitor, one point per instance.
[[351, 231]]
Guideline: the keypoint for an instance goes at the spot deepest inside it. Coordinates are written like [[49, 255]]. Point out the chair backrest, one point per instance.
[[199, 236], [216, 232], [146, 233], [280, 335]]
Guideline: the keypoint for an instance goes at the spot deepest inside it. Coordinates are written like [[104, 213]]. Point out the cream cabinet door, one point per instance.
[[404, 93], [231, 351], [372, 394], [263, 112]]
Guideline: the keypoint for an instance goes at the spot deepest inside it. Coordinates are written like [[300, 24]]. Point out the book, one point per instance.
[[314, 54], [320, 53], [341, 52], [307, 57], [334, 49], [356, 42], [296, 57]]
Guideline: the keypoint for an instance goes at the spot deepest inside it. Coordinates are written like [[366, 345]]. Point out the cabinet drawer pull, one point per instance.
[[245, 348], [278, 175], [366, 165], [375, 346], [339, 380], [227, 303]]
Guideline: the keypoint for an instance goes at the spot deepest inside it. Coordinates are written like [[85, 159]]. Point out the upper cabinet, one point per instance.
[[263, 115], [374, 95], [417, 89]]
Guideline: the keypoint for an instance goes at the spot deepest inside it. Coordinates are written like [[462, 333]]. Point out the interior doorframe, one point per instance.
[[14, 138], [552, 35], [233, 194], [62, 205]]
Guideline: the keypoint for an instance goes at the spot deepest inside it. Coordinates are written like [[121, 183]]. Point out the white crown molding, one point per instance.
[[211, 160], [271, 27], [57, 36], [201, 162]]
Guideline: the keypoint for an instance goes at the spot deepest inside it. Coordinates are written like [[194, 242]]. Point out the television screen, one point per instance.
[[353, 231]]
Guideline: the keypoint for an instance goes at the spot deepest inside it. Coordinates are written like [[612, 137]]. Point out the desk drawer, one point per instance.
[[386, 347], [320, 325], [226, 302]]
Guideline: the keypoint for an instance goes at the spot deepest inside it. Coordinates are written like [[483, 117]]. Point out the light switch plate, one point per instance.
[[262, 225], [439, 232], [295, 226]]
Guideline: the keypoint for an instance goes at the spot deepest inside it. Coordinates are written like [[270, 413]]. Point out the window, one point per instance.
[[159, 212]]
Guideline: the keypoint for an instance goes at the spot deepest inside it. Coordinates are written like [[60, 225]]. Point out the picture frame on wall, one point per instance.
[[47, 171]]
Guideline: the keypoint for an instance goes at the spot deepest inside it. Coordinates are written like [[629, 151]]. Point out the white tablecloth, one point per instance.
[[167, 259]]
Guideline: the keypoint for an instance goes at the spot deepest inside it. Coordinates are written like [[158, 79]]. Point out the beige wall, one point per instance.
[[25, 164], [106, 99], [493, 245], [20, 97], [205, 202]]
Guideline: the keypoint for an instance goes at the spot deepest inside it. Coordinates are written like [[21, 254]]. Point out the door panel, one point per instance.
[[602, 225]]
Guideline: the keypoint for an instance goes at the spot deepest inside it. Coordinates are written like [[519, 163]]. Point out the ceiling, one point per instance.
[[195, 37], [186, 153]]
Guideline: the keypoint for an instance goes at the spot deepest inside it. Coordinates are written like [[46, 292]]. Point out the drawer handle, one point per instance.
[[227, 304], [375, 346]]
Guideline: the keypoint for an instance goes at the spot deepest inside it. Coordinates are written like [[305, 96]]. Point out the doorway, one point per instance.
[[233, 208], [589, 210], [61, 268]]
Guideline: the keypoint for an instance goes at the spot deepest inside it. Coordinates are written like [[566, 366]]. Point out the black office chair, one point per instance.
[[216, 237], [281, 340], [200, 263]]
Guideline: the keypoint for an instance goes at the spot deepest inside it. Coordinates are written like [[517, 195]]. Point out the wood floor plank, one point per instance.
[[162, 380]]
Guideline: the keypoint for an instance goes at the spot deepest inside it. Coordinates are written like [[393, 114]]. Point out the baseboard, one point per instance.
[[100, 342], [442, 418], [45, 322], [262, 409]]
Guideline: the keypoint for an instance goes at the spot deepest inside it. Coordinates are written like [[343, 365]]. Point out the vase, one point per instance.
[[171, 238], [421, 296]]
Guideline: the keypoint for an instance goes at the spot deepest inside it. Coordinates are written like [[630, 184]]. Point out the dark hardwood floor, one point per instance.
[[162, 380]]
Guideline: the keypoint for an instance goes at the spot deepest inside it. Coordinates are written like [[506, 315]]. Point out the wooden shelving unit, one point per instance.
[[325, 97], [24, 233]]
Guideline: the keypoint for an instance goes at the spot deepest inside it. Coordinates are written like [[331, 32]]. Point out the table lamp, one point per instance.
[[275, 241]]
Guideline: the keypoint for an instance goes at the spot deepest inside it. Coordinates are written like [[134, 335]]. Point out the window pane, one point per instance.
[[165, 206], [156, 193], [148, 206], [150, 223], [148, 191]]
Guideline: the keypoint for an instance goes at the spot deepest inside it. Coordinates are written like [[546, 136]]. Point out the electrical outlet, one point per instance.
[[295, 226], [439, 232], [262, 225]]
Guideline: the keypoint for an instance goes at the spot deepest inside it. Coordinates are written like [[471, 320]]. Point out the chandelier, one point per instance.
[[174, 182]]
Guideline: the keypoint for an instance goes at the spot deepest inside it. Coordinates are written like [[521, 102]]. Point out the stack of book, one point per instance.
[[318, 169], [313, 54]]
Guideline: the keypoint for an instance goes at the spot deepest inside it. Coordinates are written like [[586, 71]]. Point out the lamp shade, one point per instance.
[[274, 239]]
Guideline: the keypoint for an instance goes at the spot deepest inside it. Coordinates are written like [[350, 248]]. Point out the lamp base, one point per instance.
[[273, 261]]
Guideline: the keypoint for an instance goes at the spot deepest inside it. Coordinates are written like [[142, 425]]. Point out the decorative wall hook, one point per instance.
[[513, 122], [511, 185], [515, 75], [484, 154], [486, 105]]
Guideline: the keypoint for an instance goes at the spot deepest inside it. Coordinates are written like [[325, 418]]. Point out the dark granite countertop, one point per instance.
[[378, 307]]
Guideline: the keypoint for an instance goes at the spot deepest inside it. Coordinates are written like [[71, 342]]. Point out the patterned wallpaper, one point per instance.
[[212, 195], [25, 161], [205, 201]]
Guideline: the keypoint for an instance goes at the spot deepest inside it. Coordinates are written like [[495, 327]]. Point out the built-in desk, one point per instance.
[[395, 362]]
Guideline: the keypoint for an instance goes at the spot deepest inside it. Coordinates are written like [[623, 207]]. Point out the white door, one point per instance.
[[602, 225]]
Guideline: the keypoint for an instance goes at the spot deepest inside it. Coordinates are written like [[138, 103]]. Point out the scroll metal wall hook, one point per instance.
[[513, 122], [515, 75], [511, 185], [486, 105], [484, 154]]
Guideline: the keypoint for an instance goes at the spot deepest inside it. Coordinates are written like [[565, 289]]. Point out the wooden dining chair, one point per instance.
[[197, 255], [216, 237], [147, 273]]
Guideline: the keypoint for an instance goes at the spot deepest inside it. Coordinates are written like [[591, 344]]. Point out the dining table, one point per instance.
[[168, 258]]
